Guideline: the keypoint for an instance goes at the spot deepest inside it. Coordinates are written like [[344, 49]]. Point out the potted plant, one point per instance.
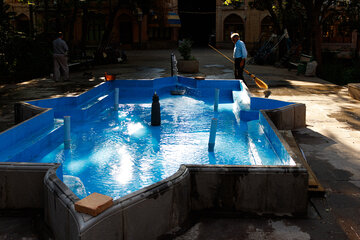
[[188, 64]]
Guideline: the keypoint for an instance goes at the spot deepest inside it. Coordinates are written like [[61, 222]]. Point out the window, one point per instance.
[[233, 23], [96, 27]]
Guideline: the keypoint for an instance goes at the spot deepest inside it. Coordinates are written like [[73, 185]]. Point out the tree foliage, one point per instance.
[[21, 57], [185, 48], [352, 11], [5, 37], [303, 18], [234, 3]]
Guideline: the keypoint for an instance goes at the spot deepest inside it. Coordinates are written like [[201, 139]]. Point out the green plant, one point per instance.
[[340, 71], [185, 48]]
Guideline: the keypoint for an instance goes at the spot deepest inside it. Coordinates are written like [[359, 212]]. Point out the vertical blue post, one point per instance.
[[172, 64], [116, 101], [212, 137], [216, 102], [67, 137]]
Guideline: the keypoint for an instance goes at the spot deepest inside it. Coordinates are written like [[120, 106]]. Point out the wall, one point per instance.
[[145, 214], [254, 189], [288, 117], [21, 185], [252, 19], [162, 208], [24, 111]]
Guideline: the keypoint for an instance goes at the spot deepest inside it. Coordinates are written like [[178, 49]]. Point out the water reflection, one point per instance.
[[122, 170], [120, 152]]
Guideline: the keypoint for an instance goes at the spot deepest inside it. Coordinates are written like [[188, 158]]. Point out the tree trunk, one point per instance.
[[71, 25], [357, 46], [316, 36], [31, 26], [107, 33], [316, 44], [84, 26], [46, 17]]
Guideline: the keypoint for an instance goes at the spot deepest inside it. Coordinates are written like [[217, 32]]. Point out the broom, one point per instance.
[[258, 82]]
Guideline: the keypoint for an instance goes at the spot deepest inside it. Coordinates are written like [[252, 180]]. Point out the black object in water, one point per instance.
[[155, 111], [177, 91]]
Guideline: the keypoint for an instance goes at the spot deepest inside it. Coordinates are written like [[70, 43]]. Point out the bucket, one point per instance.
[[110, 77]]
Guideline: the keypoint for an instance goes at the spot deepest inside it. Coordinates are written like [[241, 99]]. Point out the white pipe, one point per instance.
[[67, 137], [216, 102], [116, 102], [212, 137]]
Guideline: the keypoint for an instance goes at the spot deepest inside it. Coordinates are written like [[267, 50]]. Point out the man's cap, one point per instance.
[[233, 35]]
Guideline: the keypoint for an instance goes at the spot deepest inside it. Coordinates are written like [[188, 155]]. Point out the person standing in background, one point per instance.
[[60, 49], [239, 55]]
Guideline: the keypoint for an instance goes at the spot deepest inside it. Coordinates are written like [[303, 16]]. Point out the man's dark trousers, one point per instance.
[[239, 71]]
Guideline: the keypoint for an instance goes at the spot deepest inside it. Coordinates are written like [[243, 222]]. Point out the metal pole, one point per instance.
[[116, 100], [216, 102], [212, 137], [67, 137], [172, 63]]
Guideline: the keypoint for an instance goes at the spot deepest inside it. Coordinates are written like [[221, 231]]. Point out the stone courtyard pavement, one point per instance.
[[331, 144]]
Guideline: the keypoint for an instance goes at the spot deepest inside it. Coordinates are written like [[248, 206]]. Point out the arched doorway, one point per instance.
[[198, 20], [96, 28], [336, 29], [233, 23], [22, 23], [125, 29], [267, 27]]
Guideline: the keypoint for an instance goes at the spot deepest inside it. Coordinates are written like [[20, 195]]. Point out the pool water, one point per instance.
[[119, 152]]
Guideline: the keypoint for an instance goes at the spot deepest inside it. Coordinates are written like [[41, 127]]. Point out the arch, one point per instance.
[[125, 28], [233, 23], [336, 29], [267, 26], [22, 17], [22, 23], [96, 27]]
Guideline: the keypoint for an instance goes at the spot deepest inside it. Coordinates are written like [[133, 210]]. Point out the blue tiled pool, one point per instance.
[[118, 152]]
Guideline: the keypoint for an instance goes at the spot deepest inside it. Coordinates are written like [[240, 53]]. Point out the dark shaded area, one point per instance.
[[287, 89], [25, 58], [349, 115], [197, 20], [23, 224], [340, 71], [342, 199], [334, 216]]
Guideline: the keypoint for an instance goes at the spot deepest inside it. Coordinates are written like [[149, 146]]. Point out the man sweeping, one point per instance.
[[60, 58], [240, 55]]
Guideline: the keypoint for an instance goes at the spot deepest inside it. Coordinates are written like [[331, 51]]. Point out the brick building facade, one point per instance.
[[159, 26]]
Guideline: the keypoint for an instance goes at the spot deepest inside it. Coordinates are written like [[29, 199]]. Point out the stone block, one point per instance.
[[188, 66], [275, 116], [299, 115], [354, 90], [287, 118], [94, 204], [24, 111], [22, 185]]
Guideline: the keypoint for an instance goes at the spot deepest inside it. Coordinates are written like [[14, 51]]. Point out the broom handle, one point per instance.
[[257, 80], [222, 54], [246, 71]]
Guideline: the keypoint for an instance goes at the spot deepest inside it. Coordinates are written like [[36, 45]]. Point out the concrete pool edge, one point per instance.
[[163, 207], [190, 190], [22, 184]]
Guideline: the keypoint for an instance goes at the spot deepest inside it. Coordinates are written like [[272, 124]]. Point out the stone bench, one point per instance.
[[354, 90], [288, 117]]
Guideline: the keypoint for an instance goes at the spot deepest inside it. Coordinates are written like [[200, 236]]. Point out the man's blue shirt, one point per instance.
[[240, 50], [60, 46]]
